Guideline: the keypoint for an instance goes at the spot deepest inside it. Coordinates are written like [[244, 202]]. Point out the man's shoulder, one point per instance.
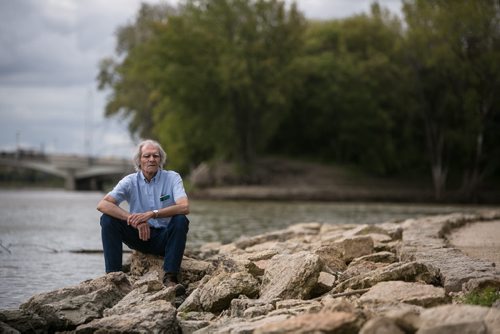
[[131, 176], [170, 173], [127, 179]]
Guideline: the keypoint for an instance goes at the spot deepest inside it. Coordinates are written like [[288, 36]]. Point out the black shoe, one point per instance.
[[170, 281]]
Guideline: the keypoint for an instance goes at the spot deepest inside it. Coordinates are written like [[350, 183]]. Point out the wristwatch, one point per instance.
[[156, 213]]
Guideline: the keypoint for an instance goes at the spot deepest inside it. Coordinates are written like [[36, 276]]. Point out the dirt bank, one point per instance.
[[286, 179]]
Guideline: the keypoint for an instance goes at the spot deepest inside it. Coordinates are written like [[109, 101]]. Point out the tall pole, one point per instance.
[[88, 124], [18, 144]]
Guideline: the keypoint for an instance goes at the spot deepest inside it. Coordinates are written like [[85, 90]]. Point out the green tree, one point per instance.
[[130, 76], [454, 51], [349, 107], [234, 74], [213, 77]]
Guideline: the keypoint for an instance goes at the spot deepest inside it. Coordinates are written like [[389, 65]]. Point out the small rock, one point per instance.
[[326, 282]]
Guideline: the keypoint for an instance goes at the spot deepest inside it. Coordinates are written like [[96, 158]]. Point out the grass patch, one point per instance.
[[484, 297]]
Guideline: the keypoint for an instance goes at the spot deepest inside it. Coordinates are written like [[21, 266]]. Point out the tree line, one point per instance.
[[239, 79]]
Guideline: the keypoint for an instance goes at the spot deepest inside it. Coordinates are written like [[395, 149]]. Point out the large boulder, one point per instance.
[[192, 270], [21, 321], [381, 325], [332, 257], [147, 289], [290, 276], [322, 322], [408, 272], [405, 292], [450, 319], [148, 307], [157, 316], [215, 293], [69, 307], [356, 246]]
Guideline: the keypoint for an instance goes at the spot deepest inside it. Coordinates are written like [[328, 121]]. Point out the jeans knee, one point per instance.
[[106, 221], [179, 223]]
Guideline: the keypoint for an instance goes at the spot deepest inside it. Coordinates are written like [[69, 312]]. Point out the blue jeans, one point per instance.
[[169, 242]]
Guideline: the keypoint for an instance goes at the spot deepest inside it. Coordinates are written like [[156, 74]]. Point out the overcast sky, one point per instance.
[[49, 51]]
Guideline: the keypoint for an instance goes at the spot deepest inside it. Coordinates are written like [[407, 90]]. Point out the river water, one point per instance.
[[42, 232]]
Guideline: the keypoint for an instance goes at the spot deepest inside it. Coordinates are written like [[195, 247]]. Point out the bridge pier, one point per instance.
[[90, 183], [70, 180]]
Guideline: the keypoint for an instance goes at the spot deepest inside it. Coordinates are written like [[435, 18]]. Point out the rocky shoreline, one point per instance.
[[392, 277]]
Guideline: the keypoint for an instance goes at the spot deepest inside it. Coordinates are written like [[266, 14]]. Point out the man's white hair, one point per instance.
[[138, 152]]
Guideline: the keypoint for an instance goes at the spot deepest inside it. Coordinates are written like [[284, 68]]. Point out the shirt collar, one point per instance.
[[153, 180]]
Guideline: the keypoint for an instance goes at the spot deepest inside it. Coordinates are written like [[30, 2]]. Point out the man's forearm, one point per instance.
[[112, 209], [181, 208]]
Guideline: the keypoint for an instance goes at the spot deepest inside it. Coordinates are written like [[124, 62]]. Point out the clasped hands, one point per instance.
[[140, 222]]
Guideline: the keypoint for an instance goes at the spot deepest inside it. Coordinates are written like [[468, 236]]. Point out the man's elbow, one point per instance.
[[100, 206], [185, 209]]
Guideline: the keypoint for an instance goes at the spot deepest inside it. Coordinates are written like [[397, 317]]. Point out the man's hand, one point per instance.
[[135, 219], [144, 231]]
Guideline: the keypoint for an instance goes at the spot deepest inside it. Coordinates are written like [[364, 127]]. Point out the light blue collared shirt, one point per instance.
[[164, 190]]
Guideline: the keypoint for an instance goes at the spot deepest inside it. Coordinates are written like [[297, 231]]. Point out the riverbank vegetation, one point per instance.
[[237, 80], [486, 297]]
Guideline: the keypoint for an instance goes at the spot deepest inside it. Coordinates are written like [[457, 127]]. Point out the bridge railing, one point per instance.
[[23, 154]]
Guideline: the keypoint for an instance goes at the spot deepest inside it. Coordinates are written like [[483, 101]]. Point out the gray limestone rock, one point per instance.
[[460, 319], [408, 272], [382, 257], [156, 316], [405, 292], [240, 306], [381, 325], [326, 282], [6, 329], [70, 307], [332, 257], [322, 322], [22, 321], [356, 246], [290, 276], [216, 294], [192, 270]]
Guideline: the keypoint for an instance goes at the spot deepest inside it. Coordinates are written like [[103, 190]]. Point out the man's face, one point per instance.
[[150, 159]]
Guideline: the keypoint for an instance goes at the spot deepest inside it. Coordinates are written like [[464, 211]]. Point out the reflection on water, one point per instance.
[[40, 228]]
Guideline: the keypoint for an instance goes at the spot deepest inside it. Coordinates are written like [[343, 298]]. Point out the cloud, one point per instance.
[[331, 9], [49, 54], [48, 63]]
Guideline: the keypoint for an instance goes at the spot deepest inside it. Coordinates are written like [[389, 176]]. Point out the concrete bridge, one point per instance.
[[79, 172]]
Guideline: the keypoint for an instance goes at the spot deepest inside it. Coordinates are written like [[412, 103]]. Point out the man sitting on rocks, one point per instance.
[[157, 222]]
